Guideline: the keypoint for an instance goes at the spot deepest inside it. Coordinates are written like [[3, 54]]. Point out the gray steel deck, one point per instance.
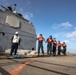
[[59, 65]]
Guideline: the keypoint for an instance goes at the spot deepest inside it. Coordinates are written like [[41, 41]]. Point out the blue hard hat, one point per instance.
[[54, 38], [58, 41], [63, 42], [50, 36], [40, 34]]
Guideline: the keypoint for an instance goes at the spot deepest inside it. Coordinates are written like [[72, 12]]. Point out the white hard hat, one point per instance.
[[16, 32]]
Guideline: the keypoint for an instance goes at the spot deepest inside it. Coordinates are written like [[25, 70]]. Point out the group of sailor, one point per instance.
[[52, 46]]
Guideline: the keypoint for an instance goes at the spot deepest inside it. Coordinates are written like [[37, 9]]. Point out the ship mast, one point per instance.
[[15, 7]]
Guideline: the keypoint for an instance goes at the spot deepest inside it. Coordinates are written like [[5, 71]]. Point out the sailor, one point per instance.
[[40, 44], [64, 48], [54, 46], [59, 47], [49, 45], [9, 8], [15, 41]]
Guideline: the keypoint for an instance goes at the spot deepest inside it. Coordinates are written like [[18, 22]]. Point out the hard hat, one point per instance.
[[63, 42], [54, 38], [16, 32], [50, 36], [58, 41], [40, 34]]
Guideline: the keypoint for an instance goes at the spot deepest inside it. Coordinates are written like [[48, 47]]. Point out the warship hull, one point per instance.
[[9, 24]]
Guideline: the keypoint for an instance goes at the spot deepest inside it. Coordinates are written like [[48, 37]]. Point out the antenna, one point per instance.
[[15, 7]]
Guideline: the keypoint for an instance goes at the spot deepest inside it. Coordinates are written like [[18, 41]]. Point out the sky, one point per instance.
[[50, 17]]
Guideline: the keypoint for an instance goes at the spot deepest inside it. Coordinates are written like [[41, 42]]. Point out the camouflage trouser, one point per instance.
[[40, 45], [64, 51], [14, 48], [54, 50], [49, 48], [59, 50]]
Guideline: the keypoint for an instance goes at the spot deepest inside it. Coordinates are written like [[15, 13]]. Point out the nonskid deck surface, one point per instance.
[[59, 65]]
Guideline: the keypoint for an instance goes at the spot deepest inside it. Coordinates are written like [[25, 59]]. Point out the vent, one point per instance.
[[12, 21]]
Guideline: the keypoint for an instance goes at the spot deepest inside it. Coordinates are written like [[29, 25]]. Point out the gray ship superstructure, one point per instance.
[[10, 23]]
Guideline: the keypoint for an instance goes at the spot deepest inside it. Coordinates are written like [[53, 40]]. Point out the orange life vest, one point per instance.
[[64, 45], [54, 42], [59, 44], [49, 40], [40, 39]]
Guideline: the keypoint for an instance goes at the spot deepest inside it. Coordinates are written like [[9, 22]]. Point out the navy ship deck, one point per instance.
[[59, 65]]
